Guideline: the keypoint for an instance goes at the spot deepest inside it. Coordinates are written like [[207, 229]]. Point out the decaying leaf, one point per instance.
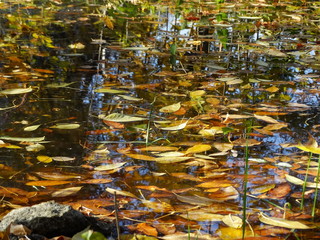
[[266, 118], [22, 139], [66, 126], [47, 183], [199, 215], [15, 91], [62, 158], [31, 128], [175, 128], [159, 207], [232, 221]]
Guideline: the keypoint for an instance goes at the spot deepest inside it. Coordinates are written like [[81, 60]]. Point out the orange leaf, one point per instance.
[[114, 124], [141, 157], [46, 183], [147, 229]]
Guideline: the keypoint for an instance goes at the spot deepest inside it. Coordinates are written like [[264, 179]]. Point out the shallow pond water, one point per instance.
[[169, 102]]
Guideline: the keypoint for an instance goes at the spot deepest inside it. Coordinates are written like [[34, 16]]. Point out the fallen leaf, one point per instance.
[[118, 117], [62, 159], [280, 222], [66, 192], [171, 108], [266, 119], [46, 183], [44, 159], [22, 139], [66, 126], [15, 91], [31, 128], [108, 167], [120, 192], [158, 207], [199, 215], [175, 128], [198, 148], [232, 221], [146, 229]]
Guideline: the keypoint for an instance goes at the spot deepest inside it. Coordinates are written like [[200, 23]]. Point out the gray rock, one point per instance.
[[52, 219]]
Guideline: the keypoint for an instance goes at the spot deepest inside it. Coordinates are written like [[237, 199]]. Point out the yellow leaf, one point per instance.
[[120, 192], [141, 157], [66, 192], [158, 207], [266, 119], [171, 108], [46, 183], [272, 89], [198, 148], [44, 159], [232, 221], [108, 22]]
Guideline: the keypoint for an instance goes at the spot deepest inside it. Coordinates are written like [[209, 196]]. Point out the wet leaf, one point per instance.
[[300, 182], [171, 154], [63, 159], [147, 229], [167, 160], [198, 215], [198, 148], [232, 221], [280, 222], [131, 98], [159, 207], [35, 147], [31, 128], [15, 91], [195, 200], [66, 192], [110, 90], [108, 167], [120, 192], [117, 117], [189, 236], [262, 189], [175, 128], [215, 183], [159, 148], [171, 108], [44, 159], [66, 126], [272, 89], [47, 183], [266, 119], [141, 157], [22, 139]]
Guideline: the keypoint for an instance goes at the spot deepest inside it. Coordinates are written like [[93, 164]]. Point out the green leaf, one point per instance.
[[109, 90], [118, 117]]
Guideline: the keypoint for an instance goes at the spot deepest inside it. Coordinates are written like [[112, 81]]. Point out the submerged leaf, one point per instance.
[[175, 128], [22, 139], [109, 166], [120, 192], [232, 221], [31, 128]]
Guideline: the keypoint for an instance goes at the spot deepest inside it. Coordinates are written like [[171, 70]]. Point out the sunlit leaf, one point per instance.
[[171, 154], [215, 183], [117, 117], [109, 90], [120, 192], [46, 183], [76, 46], [280, 222], [158, 148], [130, 98], [168, 160], [275, 53], [158, 207], [232, 221], [31, 128], [223, 147], [109, 166], [199, 215], [311, 146], [266, 118], [272, 89], [188, 236], [175, 128], [22, 139], [198, 148], [262, 189], [197, 94], [195, 200], [300, 182], [141, 157], [14, 91], [171, 108], [44, 159], [62, 159], [35, 147], [66, 192], [66, 126]]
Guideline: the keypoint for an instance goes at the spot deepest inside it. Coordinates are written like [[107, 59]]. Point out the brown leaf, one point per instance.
[[46, 183], [66, 192], [114, 124], [141, 157]]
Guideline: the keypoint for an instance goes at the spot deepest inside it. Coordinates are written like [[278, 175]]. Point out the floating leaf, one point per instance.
[[15, 91], [146, 229], [159, 148], [109, 166], [266, 118], [46, 183], [171, 154], [22, 139], [262, 189], [59, 85], [199, 215], [232, 221], [31, 128], [109, 90], [158, 207], [280, 222], [198, 148], [117, 117], [171, 108], [44, 159], [166, 160], [63, 159], [141, 157], [300, 182], [311, 146], [131, 98], [66, 126], [35, 147], [175, 128], [120, 192], [66, 192]]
